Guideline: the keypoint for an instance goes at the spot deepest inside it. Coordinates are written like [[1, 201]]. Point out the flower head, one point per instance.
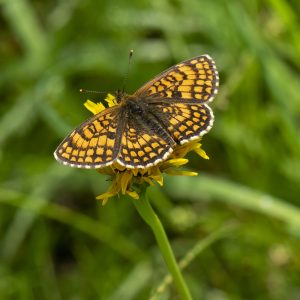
[[127, 181]]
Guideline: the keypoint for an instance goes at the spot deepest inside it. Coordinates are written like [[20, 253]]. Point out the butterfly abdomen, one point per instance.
[[139, 112]]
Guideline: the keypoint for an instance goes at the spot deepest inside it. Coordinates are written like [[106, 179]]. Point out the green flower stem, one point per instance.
[[149, 216]]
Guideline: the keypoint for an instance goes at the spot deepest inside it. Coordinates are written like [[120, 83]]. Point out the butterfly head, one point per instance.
[[120, 96]]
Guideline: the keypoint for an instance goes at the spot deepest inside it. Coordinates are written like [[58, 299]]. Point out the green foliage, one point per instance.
[[57, 242]]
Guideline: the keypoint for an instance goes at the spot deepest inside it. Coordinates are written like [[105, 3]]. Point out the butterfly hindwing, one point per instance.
[[143, 143], [193, 79], [92, 144], [184, 121]]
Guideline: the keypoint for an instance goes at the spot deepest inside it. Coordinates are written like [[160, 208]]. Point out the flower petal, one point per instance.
[[93, 107], [133, 194], [201, 153], [173, 172], [148, 180], [125, 179], [175, 162], [111, 100], [156, 175], [104, 197]]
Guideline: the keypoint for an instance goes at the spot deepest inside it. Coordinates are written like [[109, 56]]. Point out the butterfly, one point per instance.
[[144, 128]]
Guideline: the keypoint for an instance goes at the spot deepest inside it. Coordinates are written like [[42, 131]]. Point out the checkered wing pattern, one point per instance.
[[171, 109], [143, 144], [184, 122], [193, 79], [92, 144]]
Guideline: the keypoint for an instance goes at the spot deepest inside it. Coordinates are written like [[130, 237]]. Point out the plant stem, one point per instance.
[[149, 216]]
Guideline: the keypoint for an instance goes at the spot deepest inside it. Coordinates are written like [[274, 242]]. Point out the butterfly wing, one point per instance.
[[94, 143], [184, 121], [193, 79], [144, 143]]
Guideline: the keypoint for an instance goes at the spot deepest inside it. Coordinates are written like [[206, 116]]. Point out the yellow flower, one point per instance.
[[127, 181]]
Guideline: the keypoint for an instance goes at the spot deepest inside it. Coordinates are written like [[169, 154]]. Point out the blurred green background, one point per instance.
[[240, 217]]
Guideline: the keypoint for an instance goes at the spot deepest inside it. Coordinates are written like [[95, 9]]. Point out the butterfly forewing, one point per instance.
[[92, 144], [193, 79]]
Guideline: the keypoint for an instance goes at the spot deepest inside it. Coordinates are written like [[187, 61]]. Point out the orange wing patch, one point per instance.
[[184, 122], [92, 144], [194, 79]]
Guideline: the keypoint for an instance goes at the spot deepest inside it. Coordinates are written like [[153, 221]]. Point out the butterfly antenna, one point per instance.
[[91, 92], [127, 72]]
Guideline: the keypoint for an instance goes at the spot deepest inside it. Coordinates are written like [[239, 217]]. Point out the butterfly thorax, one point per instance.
[[135, 111], [131, 104], [134, 106]]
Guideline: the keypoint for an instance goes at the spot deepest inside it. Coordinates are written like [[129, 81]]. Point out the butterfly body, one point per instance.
[[144, 128]]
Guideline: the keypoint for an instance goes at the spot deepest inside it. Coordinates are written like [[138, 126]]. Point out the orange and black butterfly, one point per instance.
[[144, 128]]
